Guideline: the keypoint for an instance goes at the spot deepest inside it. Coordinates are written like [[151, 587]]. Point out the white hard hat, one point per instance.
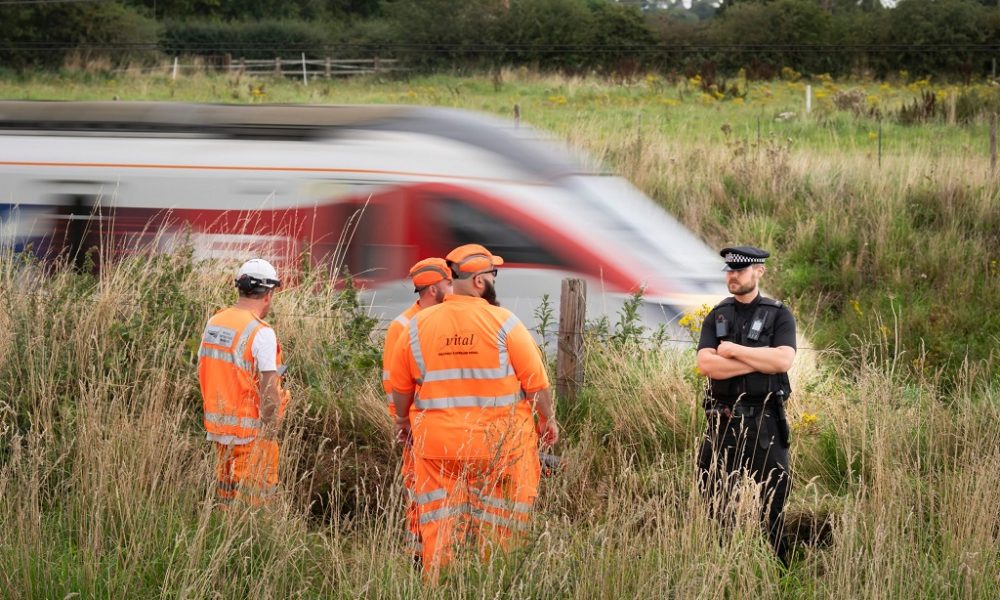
[[257, 273]]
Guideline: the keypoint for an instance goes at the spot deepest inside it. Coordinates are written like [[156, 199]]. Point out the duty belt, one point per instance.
[[740, 411]]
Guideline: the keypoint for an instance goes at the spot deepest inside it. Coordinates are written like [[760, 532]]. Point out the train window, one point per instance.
[[460, 222], [378, 250]]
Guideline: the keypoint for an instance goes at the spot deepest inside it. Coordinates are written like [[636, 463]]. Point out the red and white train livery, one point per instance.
[[378, 187]]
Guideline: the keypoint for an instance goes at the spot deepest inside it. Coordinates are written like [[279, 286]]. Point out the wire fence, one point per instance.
[[594, 332], [304, 68]]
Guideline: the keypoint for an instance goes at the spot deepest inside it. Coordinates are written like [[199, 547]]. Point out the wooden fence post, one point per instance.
[[328, 68], [243, 65], [880, 144], [277, 66], [993, 143], [569, 354]]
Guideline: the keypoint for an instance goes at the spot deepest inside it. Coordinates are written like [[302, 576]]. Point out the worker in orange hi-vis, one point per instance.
[[240, 368], [432, 282], [471, 426]]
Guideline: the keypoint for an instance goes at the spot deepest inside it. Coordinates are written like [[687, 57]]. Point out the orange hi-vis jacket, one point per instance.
[[392, 336], [474, 363], [230, 383]]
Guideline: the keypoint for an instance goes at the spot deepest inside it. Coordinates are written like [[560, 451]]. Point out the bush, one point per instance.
[[45, 34], [974, 102], [249, 39]]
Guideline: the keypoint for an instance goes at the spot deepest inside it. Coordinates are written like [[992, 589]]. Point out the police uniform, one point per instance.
[[747, 428]]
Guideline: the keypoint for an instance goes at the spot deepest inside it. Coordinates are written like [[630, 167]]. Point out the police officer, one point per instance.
[[747, 346]]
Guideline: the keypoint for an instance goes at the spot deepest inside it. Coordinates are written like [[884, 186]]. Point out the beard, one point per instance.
[[490, 294], [738, 290]]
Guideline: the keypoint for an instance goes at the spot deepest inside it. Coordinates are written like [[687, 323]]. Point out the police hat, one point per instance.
[[741, 257]]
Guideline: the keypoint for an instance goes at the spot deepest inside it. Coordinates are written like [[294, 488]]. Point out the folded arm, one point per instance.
[[761, 360], [716, 366]]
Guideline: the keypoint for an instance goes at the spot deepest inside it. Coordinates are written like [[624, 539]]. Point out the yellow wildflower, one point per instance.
[[856, 305]]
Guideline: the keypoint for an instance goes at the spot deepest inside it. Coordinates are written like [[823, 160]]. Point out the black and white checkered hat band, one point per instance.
[[732, 257]]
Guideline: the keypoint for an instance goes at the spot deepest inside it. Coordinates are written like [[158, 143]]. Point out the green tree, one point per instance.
[[936, 37], [550, 33], [620, 35], [45, 34], [443, 32], [783, 33]]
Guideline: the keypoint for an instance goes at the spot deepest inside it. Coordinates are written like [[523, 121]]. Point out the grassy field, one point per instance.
[[891, 269]]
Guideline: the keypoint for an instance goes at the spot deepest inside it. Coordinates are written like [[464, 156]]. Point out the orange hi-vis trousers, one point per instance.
[[412, 535], [246, 472], [481, 502]]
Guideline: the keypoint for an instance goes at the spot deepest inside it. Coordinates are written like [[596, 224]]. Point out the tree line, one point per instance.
[[944, 38]]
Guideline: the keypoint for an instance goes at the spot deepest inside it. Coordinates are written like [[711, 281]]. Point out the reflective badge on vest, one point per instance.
[[220, 336]]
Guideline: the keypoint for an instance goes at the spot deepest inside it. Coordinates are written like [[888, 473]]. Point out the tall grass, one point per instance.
[[106, 480], [864, 241]]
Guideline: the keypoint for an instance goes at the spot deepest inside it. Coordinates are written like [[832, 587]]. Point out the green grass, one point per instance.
[[105, 476], [900, 247]]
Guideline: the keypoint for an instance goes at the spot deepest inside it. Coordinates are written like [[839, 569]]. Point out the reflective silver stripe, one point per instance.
[[224, 355], [402, 320], [498, 520], [505, 330], [465, 509], [241, 346], [447, 374], [444, 513], [523, 507], [226, 486], [418, 356], [388, 398], [432, 495], [221, 419], [229, 440], [385, 374], [469, 402]]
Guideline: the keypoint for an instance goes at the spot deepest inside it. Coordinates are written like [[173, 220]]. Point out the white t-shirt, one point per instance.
[[265, 350]]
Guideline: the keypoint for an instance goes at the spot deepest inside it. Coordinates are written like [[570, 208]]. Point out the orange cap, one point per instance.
[[472, 258], [428, 272]]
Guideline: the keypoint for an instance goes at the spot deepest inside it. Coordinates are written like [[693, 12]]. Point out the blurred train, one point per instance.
[[374, 188]]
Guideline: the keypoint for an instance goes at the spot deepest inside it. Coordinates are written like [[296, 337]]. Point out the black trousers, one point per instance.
[[748, 440]]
